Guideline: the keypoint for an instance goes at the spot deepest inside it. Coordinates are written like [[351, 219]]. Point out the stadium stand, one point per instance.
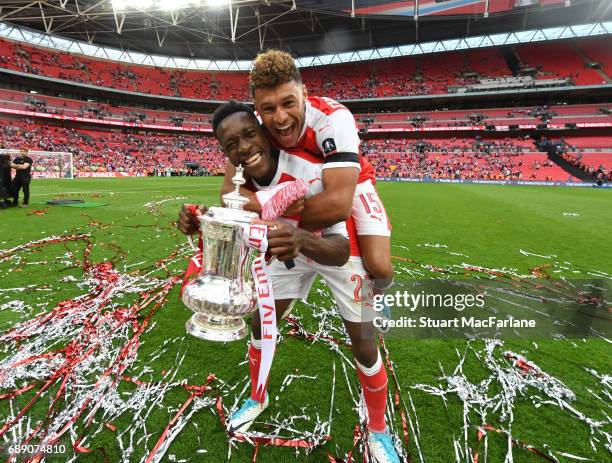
[[415, 75], [589, 143], [99, 150], [558, 60], [597, 51], [144, 79], [78, 108], [598, 165], [561, 114], [462, 158]]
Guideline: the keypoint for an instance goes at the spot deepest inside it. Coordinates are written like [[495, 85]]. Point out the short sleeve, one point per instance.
[[338, 134], [338, 140], [336, 229]]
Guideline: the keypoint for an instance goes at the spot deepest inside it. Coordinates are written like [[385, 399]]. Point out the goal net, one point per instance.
[[47, 164]]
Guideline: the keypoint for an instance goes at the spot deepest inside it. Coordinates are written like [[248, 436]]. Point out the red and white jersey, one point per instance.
[[330, 129], [310, 169]]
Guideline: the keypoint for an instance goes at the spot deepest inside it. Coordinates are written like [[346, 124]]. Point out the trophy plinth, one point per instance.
[[224, 291], [211, 328]]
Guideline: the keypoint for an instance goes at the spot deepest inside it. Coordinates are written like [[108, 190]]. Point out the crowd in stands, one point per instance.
[[403, 76], [77, 108], [557, 114], [117, 151], [462, 158]]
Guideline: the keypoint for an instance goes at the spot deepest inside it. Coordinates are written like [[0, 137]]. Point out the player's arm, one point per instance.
[[339, 142], [286, 242], [335, 202], [20, 166], [253, 205]]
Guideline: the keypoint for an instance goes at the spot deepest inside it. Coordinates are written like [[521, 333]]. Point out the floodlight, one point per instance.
[[119, 4], [173, 4], [217, 3], [141, 4]]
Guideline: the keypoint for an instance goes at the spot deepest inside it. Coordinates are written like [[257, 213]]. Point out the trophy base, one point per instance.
[[216, 329]]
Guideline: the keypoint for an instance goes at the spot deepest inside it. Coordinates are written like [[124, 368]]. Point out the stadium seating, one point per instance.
[[78, 108], [467, 158], [116, 151], [558, 59], [134, 78], [598, 165], [412, 75], [563, 114], [597, 160], [100, 150], [599, 51], [589, 143]]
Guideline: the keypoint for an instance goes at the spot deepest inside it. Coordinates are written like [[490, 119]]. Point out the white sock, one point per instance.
[[256, 343], [371, 371]]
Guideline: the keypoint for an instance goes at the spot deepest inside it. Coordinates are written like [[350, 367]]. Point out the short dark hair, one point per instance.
[[227, 109]]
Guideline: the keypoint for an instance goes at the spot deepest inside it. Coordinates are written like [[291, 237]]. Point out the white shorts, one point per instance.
[[369, 212], [350, 285]]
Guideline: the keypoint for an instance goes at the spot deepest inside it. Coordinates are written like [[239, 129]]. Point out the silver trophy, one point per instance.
[[224, 291]]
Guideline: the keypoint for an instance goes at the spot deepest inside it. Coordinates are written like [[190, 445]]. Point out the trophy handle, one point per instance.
[[191, 243]]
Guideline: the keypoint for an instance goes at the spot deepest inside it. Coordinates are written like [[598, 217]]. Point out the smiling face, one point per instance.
[[283, 111], [244, 142]]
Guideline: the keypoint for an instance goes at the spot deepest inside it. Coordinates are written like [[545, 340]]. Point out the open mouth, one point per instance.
[[253, 160], [284, 131]]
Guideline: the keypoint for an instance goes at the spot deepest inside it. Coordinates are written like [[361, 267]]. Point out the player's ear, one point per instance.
[[304, 90]]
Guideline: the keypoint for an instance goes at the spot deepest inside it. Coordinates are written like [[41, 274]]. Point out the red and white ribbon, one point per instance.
[[255, 236]]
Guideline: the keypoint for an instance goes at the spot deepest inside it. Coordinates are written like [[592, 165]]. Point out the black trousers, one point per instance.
[[19, 183]]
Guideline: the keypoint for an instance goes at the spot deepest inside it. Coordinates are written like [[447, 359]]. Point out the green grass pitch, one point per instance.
[[442, 225]]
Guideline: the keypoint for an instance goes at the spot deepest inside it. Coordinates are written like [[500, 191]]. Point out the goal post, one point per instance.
[[46, 164]]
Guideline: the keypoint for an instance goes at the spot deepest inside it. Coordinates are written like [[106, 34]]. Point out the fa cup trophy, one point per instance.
[[224, 291]]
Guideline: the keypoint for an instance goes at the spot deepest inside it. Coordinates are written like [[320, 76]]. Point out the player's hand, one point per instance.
[[296, 208], [284, 240], [188, 222]]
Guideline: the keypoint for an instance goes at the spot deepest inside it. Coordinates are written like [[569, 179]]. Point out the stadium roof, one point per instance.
[[239, 29]]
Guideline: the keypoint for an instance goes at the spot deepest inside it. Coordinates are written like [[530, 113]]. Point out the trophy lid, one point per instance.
[[233, 199], [235, 202]]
